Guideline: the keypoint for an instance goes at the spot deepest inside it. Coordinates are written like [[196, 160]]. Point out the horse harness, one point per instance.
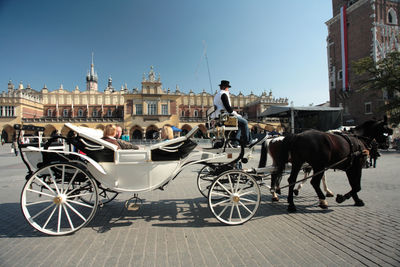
[[355, 152]]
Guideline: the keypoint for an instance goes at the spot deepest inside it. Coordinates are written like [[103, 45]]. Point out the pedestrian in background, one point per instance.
[[374, 153]]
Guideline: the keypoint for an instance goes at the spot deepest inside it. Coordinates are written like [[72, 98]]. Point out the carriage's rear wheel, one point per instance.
[[51, 199], [234, 197]]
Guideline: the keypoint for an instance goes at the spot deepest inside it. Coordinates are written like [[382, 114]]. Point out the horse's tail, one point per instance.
[[282, 156]]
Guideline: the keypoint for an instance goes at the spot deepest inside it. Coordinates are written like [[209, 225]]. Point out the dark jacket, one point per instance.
[[112, 141]]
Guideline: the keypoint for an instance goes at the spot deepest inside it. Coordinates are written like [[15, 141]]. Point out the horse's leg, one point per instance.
[[329, 193], [354, 177], [292, 180], [274, 185], [316, 182], [296, 191]]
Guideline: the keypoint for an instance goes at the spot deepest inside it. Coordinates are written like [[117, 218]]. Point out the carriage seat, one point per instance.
[[222, 122], [175, 149], [103, 151]]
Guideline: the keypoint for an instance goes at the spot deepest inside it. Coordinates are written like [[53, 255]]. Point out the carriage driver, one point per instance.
[[222, 102]]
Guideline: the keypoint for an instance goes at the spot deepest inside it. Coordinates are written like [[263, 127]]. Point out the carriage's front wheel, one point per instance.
[[234, 197], [51, 199], [204, 179]]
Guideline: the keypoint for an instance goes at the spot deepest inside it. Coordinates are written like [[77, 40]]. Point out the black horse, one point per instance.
[[321, 150]]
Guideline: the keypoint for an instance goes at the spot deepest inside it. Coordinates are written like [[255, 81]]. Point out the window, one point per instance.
[[95, 113], [340, 75], [164, 109], [152, 109], [49, 113], [368, 108], [195, 113], [183, 113], [139, 109], [65, 113], [7, 111], [80, 113], [392, 16], [109, 113]]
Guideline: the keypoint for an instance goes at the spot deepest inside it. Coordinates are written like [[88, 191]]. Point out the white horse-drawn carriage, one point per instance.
[[67, 181]]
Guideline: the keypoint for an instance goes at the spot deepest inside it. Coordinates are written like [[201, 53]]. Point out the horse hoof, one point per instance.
[[291, 208], [340, 198], [323, 204], [275, 199], [359, 203], [278, 191], [296, 192], [329, 194]]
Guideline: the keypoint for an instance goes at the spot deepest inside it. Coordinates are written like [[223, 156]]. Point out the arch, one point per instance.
[[8, 133], [100, 126], [392, 16], [136, 132], [185, 129], [48, 130], [152, 132]]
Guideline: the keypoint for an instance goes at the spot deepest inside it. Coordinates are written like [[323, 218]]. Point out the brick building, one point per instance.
[[358, 29]]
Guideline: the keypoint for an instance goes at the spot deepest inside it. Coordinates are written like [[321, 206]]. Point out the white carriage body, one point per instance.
[[131, 170]]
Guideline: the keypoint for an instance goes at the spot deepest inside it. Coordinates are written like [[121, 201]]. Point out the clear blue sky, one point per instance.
[[259, 45]]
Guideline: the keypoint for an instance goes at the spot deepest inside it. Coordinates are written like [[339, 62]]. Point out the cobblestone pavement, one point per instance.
[[175, 227]]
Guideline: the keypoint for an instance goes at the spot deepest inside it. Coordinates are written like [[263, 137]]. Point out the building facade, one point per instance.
[[140, 112], [358, 29]]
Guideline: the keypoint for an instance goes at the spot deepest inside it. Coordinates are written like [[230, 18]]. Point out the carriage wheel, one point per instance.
[[234, 197], [51, 199], [205, 179]]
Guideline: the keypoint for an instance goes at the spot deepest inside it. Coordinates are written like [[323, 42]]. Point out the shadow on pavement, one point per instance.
[[164, 213]]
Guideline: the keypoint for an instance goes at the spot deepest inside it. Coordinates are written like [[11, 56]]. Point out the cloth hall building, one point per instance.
[[140, 112]]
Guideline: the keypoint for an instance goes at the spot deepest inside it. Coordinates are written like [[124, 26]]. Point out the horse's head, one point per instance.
[[373, 129]]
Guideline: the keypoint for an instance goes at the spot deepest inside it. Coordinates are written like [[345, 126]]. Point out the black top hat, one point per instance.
[[224, 84]]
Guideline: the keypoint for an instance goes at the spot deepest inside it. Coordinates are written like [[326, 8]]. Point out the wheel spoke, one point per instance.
[[248, 200], [244, 206], [55, 185], [81, 186], [224, 188], [62, 179], [72, 179], [38, 202], [48, 219], [230, 215], [76, 212], [79, 203], [69, 219], [221, 202], [80, 195], [46, 185], [237, 184], [240, 215], [230, 182], [223, 210], [43, 210], [246, 193], [40, 193], [248, 180], [219, 194], [59, 219]]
